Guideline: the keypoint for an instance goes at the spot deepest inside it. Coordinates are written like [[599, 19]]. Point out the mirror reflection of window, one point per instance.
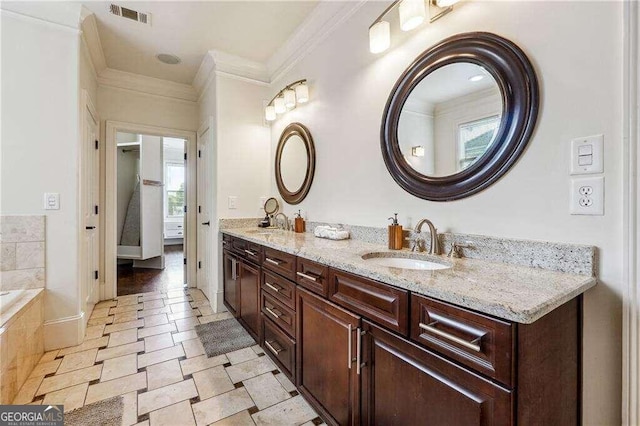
[[174, 190], [474, 138]]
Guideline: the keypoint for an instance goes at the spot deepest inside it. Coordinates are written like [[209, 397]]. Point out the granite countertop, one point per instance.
[[516, 293]]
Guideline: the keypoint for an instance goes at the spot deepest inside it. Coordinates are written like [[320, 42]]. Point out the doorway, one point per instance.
[[150, 197]]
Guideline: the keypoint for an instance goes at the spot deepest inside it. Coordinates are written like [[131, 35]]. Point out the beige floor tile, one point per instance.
[[115, 387], [71, 398], [180, 307], [158, 341], [100, 313], [144, 423], [153, 320], [187, 324], [184, 314], [77, 360], [106, 304], [285, 382], [193, 348], [117, 351], [151, 296], [249, 369], [186, 335], [126, 308], [44, 368], [257, 349], [196, 294], [163, 374], [130, 408], [215, 317], [221, 406], [171, 294], [152, 304], [165, 396], [123, 337], [213, 381], [241, 355], [123, 326], [49, 356], [94, 331], [61, 381], [265, 390], [158, 329], [100, 321], [199, 363], [206, 310], [243, 418], [180, 299], [176, 414], [132, 299], [121, 366], [200, 303], [87, 344], [150, 358], [148, 312], [125, 317], [293, 411], [28, 390]]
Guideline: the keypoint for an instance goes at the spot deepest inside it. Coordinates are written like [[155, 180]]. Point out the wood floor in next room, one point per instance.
[[139, 280], [144, 347]]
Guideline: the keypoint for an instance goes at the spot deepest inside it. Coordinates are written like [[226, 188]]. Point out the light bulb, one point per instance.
[[446, 3], [379, 37], [302, 93], [412, 14], [270, 113], [278, 105], [289, 98]]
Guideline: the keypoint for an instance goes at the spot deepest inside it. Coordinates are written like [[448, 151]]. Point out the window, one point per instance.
[[174, 190], [474, 138]]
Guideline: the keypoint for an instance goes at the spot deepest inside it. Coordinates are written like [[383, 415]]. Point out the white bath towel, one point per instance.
[[330, 233]]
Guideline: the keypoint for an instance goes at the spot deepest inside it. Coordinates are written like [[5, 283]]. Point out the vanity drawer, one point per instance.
[[239, 246], [280, 262], [227, 242], [280, 288], [478, 341], [313, 276], [381, 303], [280, 347], [284, 317], [253, 252]]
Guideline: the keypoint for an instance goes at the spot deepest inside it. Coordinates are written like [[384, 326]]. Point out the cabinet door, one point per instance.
[[249, 297], [403, 384], [231, 283], [327, 373]]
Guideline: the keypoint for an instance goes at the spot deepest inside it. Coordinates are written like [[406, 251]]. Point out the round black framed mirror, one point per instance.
[[459, 117], [295, 163]]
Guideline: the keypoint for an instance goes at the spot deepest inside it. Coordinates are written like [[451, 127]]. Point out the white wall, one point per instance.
[[579, 69], [416, 128]]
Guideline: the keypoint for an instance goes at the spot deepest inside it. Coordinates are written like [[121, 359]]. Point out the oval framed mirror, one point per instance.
[[459, 117], [295, 163]]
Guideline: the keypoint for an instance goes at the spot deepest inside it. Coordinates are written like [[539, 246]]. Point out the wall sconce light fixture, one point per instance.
[[286, 99], [417, 151], [412, 14]]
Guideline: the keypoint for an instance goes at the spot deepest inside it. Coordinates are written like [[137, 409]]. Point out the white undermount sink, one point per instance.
[[403, 262]]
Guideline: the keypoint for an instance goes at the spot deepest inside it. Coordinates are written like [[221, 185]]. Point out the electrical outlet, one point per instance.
[[587, 196], [233, 202], [51, 201]]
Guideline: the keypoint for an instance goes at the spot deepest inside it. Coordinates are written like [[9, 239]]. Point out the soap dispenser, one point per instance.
[[395, 233], [299, 225]]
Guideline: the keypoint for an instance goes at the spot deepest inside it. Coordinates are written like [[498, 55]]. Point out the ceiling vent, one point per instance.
[[134, 15]]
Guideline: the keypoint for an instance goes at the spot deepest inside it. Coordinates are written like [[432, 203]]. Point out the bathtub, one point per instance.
[[21, 338]]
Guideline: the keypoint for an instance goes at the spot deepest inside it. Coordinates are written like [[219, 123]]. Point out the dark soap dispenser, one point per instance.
[[395, 233]]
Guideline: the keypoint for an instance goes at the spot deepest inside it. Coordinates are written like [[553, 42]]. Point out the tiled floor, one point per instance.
[[144, 347], [138, 280]]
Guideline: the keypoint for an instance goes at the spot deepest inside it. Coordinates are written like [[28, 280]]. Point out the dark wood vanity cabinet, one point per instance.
[[231, 282], [249, 297]]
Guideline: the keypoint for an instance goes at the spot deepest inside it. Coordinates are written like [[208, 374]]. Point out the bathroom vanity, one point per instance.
[[477, 342]]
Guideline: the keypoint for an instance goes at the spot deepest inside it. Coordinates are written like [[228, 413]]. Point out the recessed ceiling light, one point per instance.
[[476, 77], [168, 58]]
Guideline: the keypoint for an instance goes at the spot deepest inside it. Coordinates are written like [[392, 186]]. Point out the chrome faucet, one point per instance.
[[285, 226], [435, 244]]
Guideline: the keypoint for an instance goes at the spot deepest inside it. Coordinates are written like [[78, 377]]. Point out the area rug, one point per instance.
[[220, 337], [105, 413]]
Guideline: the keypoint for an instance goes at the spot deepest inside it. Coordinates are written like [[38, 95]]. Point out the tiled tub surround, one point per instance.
[[144, 348], [513, 292], [21, 339], [22, 252]]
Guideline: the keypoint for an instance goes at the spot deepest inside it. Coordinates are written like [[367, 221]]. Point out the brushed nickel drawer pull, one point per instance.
[[474, 345], [349, 346], [272, 287], [307, 276], [358, 350], [271, 348], [275, 262], [272, 312], [251, 253]]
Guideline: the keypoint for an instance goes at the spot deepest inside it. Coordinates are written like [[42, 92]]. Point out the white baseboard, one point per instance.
[[64, 332]]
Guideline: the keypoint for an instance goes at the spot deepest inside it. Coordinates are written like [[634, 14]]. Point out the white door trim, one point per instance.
[[111, 208], [631, 228]]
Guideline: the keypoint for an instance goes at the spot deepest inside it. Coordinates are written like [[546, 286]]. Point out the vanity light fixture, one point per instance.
[[296, 92], [417, 151], [412, 14]]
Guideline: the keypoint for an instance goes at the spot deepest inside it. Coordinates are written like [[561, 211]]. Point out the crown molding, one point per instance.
[[321, 22], [150, 85], [91, 37]]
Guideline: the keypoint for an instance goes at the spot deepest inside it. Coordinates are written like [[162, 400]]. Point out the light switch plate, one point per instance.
[[51, 201], [587, 196], [233, 202], [580, 148]]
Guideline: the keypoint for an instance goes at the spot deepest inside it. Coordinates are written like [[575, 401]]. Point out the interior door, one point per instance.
[[151, 197], [90, 170], [204, 193]]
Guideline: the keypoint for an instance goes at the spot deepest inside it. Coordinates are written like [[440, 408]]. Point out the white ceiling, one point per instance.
[[250, 29]]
